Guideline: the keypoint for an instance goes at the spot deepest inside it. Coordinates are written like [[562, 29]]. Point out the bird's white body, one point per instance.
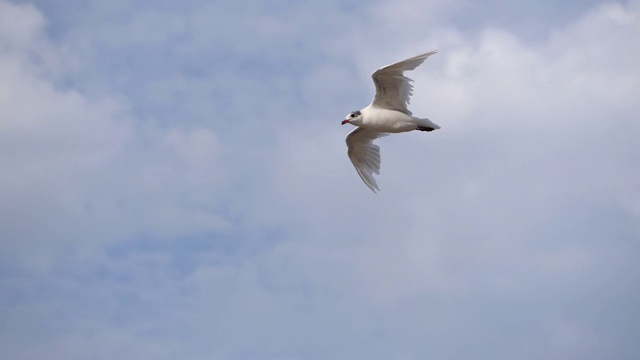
[[391, 121], [386, 114]]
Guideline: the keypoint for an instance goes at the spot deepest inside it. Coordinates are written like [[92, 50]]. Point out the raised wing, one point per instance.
[[365, 155], [393, 89]]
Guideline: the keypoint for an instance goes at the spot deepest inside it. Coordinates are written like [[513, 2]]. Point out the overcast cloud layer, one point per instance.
[[175, 182]]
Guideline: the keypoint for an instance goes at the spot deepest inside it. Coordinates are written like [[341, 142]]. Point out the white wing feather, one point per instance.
[[393, 89], [365, 155]]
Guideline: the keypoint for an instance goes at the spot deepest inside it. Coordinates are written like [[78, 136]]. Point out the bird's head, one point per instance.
[[354, 118]]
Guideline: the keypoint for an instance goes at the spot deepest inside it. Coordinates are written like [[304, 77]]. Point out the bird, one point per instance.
[[387, 113]]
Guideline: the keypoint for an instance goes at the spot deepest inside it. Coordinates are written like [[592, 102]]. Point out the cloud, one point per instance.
[[51, 138], [79, 167], [527, 184], [176, 191]]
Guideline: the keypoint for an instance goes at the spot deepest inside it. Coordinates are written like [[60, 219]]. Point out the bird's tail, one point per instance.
[[426, 124]]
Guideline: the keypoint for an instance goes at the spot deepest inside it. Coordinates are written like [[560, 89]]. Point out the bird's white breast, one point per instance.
[[384, 120]]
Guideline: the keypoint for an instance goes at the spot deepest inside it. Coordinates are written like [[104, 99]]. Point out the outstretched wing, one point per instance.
[[365, 155], [393, 89]]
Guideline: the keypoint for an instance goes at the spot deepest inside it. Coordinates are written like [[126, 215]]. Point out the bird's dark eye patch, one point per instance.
[[355, 113]]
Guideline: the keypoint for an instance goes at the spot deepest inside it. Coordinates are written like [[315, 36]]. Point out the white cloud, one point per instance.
[[77, 169], [533, 136], [507, 234], [51, 138]]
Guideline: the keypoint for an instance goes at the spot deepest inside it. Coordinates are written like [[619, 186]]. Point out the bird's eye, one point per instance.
[[353, 114]]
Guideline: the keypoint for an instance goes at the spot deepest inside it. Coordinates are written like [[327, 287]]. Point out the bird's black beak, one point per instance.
[[345, 122]]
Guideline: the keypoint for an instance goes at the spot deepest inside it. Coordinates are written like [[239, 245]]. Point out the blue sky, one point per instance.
[[175, 181]]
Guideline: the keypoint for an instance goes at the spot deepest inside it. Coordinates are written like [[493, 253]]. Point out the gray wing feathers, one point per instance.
[[365, 155], [393, 89]]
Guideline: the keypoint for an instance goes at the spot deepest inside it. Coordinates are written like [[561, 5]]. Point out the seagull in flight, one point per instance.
[[386, 114]]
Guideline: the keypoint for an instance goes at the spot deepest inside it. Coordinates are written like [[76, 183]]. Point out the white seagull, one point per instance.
[[386, 114]]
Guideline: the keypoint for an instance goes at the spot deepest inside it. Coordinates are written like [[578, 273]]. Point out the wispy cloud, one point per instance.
[[175, 182]]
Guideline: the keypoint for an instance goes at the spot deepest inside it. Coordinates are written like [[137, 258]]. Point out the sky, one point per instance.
[[175, 183]]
